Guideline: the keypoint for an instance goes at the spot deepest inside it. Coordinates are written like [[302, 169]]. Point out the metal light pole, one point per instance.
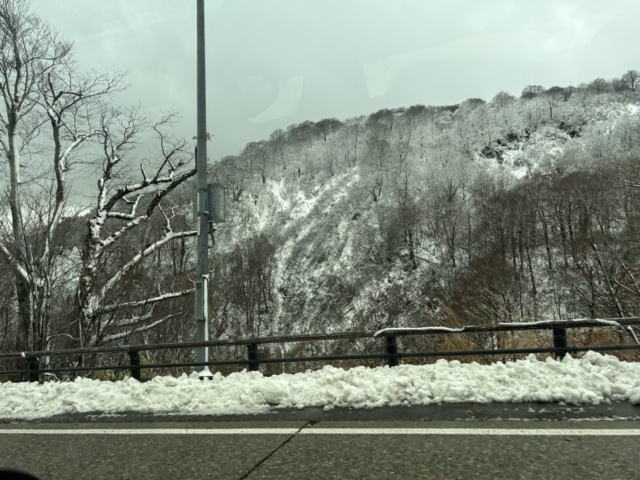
[[202, 272]]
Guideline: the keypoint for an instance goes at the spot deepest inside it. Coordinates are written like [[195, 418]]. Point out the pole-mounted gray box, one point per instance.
[[216, 203]]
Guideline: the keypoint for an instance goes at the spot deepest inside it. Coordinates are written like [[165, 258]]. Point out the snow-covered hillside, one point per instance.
[[478, 213], [516, 209]]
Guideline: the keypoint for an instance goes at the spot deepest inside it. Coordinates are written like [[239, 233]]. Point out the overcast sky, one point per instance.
[[271, 63]]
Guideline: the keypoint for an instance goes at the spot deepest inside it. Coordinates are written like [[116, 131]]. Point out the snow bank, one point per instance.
[[593, 379]]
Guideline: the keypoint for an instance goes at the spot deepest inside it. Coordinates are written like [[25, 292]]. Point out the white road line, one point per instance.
[[473, 431], [152, 431], [330, 431]]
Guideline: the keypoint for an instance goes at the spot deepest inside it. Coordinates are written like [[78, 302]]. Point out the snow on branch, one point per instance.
[[133, 206], [158, 179], [144, 303], [15, 265], [134, 221], [629, 183], [165, 178], [113, 281], [173, 158], [119, 336], [134, 320]]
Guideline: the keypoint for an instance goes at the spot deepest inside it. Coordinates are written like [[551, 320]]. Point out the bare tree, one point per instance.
[[46, 115], [121, 204], [53, 116], [502, 99], [631, 79], [231, 171], [531, 91], [258, 156], [553, 97]]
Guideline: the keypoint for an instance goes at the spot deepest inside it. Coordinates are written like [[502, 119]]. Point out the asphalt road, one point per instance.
[[444, 412], [325, 450]]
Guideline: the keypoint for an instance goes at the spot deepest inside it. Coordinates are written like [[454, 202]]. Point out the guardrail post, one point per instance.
[[252, 353], [392, 350], [134, 361], [560, 341], [34, 366]]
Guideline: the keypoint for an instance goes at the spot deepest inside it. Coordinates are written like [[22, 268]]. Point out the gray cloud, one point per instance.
[[276, 62]]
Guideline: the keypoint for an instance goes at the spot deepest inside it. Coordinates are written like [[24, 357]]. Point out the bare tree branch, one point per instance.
[[120, 336]]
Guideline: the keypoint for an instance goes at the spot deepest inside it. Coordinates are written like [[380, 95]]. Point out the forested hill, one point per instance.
[[517, 209]]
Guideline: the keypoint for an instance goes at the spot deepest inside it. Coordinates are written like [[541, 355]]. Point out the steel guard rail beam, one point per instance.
[[392, 356], [510, 327]]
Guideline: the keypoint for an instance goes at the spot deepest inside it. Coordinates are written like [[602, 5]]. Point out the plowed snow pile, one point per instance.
[[593, 379]]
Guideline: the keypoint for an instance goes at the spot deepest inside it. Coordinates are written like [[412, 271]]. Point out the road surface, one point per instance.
[[411, 449]]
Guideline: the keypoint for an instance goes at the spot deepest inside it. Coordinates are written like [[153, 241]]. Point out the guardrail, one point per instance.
[[390, 336]]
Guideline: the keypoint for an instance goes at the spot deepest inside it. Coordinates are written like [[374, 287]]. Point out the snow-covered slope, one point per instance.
[[378, 238]]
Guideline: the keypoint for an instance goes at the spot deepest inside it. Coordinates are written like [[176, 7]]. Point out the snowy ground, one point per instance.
[[593, 379]]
